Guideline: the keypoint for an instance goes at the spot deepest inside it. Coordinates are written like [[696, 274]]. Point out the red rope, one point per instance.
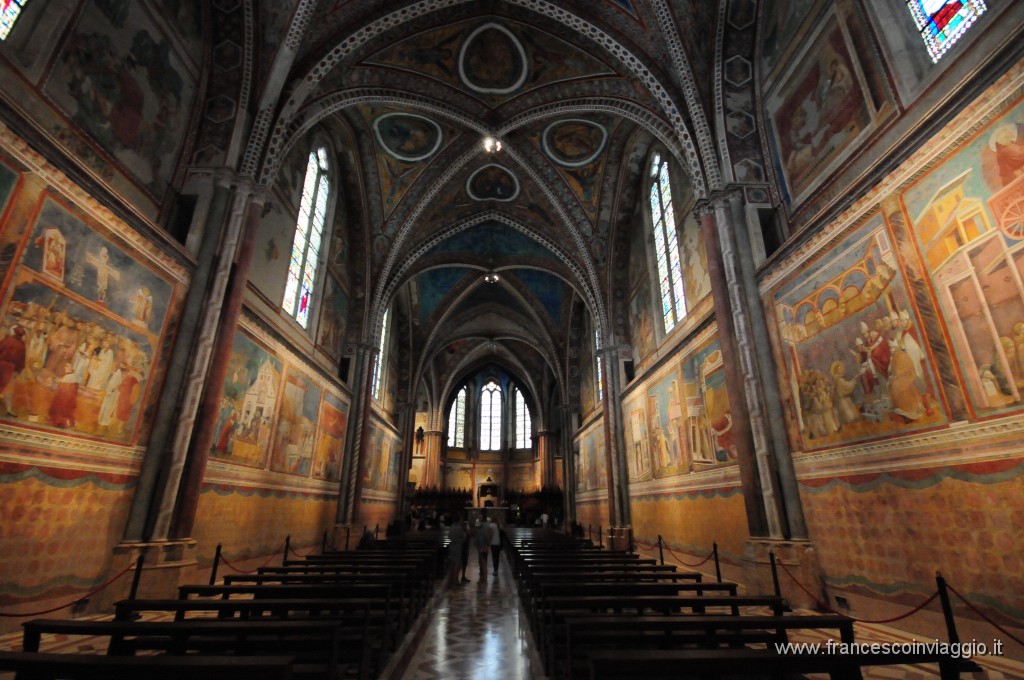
[[641, 545], [827, 608], [685, 564], [73, 602], [298, 554], [982, 615], [250, 571]]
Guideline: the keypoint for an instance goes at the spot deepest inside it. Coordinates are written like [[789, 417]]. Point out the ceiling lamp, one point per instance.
[[492, 144], [491, 277]]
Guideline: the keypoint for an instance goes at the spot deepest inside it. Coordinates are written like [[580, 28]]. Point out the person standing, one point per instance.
[[482, 543], [495, 543]]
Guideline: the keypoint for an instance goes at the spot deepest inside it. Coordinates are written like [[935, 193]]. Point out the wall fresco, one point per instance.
[[295, 433], [333, 318], [967, 214], [330, 443], [380, 469], [133, 96], [88, 321], [853, 351], [245, 423], [591, 466]]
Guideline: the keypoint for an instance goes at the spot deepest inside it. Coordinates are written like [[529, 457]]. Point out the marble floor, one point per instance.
[[477, 631]]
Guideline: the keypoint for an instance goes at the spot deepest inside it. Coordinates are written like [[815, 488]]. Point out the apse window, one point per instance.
[[943, 22], [490, 417], [666, 244], [309, 233], [10, 10], [457, 422], [523, 428], [378, 360]]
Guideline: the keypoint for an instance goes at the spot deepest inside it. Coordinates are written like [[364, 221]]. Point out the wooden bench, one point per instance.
[[714, 663], [319, 648], [584, 634], [46, 666]]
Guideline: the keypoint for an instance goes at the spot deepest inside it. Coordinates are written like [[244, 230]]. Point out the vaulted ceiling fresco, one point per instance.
[[574, 92]]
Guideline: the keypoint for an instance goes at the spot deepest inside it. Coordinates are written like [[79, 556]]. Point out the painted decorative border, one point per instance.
[[553, 155], [391, 152], [519, 48], [469, 181]]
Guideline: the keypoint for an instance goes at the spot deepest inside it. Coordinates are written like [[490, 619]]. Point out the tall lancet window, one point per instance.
[[378, 360], [490, 417], [597, 363], [524, 429], [457, 422], [666, 244], [943, 22], [309, 232], [10, 10]]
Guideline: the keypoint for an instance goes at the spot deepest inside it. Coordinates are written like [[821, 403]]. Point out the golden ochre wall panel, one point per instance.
[[253, 523], [690, 522], [885, 534], [57, 528]]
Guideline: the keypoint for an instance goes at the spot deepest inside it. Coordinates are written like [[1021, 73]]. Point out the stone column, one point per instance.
[[775, 477], [432, 463], [615, 439], [753, 500], [546, 445], [209, 407]]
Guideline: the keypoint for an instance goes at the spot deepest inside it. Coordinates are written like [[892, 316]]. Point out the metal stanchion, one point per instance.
[[661, 551], [600, 539], [287, 546], [216, 565], [775, 574], [134, 592], [718, 567], [962, 665], [323, 544]]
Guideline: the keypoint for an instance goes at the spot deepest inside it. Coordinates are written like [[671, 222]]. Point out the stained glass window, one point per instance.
[[10, 10], [666, 245], [375, 378], [524, 428], [597, 362], [457, 422], [309, 231], [490, 417], [943, 22]]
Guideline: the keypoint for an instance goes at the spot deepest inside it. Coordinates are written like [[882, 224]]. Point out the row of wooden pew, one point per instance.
[[330, 616], [612, 614]]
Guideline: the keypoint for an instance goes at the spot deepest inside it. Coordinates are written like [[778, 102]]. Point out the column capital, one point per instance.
[[703, 208]]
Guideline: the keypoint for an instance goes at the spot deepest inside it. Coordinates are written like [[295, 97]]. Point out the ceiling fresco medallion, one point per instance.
[[492, 182], [574, 142], [407, 136], [492, 60]]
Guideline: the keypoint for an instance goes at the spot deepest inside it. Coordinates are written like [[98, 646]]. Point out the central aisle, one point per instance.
[[477, 632]]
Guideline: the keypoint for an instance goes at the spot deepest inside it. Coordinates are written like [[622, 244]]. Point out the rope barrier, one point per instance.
[[298, 554], [645, 547], [827, 608], [986, 618], [686, 564], [73, 602], [228, 564]]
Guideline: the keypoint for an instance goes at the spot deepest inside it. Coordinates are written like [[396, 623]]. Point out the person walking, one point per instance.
[[495, 543], [482, 543], [457, 537]]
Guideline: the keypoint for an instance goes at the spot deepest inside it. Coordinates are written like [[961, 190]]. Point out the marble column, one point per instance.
[[615, 440]]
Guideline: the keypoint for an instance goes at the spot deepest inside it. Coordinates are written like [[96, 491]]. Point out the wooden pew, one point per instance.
[[316, 647], [46, 666], [550, 623], [714, 663], [585, 634]]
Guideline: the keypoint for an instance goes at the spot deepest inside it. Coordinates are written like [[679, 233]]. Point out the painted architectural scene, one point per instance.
[[381, 470], [295, 434], [708, 432], [245, 425], [591, 471], [856, 363], [967, 214]]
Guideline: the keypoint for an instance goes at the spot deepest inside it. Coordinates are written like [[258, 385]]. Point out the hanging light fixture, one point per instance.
[[491, 277], [491, 144]]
